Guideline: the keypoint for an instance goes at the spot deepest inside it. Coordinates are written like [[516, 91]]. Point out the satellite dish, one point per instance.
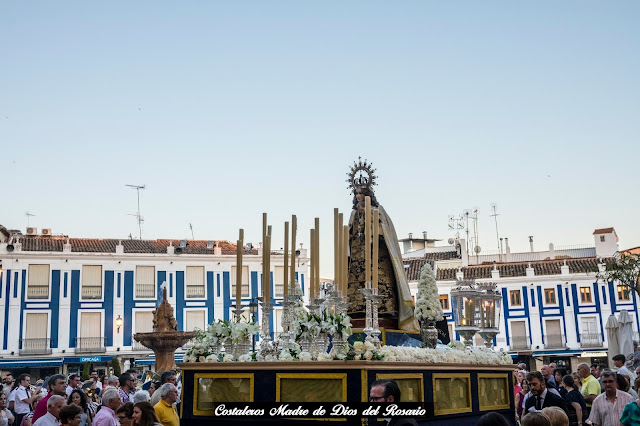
[[451, 241], [10, 248], [183, 243], [477, 249], [178, 250]]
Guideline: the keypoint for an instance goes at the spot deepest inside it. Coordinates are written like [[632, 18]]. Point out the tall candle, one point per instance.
[[345, 260], [238, 273], [294, 228], [269, 262], [336, 251], [317, 251], [285, 287], [376, 232], [338, 279], [367, 241], [312, 277], [264, 256]]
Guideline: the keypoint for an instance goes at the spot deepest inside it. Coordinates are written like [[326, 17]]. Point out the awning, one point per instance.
[[26, 362], [152, 360]]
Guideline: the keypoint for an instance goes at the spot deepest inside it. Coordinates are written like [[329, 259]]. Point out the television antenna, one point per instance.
[[494, 209], [137, 215], [191, 227], [29, 215]]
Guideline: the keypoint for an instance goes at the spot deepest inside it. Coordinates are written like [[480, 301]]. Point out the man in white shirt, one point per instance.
[[94, 377], [607, 407], [74, 383], [54, 404], [23, 397], [619, 361]]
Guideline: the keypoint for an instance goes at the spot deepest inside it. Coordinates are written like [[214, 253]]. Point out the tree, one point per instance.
[[86, 371], [623, 268], [116, 367]]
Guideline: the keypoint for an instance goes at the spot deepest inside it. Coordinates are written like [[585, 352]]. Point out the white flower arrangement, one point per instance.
[[434, 356], [335, 323], [240, 331], [428, 306], [218, 331]]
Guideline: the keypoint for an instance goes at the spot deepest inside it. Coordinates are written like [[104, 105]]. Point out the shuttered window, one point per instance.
[[92, 282], [245, 281], [278, 280], [143, 324], [91, 337], [37, 325], [195, 282], [38, 284], [145, 282], [194, 319]]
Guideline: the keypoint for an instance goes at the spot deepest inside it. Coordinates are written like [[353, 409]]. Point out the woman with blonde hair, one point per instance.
[[556, 415], [536, 418]]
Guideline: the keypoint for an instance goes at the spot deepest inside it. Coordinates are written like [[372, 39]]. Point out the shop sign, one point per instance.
[[593, 354], [84, 359]]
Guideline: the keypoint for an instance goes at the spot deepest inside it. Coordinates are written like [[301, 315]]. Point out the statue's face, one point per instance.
[[359, 194]]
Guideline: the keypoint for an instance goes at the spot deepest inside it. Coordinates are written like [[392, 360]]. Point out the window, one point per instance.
[[38, 286], [91, 282], [444, 301], [143, 324], [514, 297], [278, 281], [585, 294], [91, 338], [145, 282], [36, 339], [194, 319], [245, 281], [602, 238], [623, 293], [549, 296], [195, 282]]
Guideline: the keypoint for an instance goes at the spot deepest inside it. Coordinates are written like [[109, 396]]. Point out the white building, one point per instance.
[[61, 298], [553, 308]]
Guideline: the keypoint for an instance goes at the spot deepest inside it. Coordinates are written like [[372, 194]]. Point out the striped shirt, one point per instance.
[[607, 413]]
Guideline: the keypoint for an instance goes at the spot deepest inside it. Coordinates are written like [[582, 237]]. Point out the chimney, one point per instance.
[[120, 248], [530, 272], [531, 242], [170, 248], [217, 250], [424, 235]]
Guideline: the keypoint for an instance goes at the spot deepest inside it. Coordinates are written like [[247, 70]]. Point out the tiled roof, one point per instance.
[[603, 231], [98, 245], [415, 264], [541, 267]]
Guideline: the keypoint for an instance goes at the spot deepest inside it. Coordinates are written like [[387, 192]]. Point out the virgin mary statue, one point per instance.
[[396, 307]]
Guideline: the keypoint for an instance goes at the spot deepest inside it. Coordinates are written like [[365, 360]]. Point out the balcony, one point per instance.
[[195, 291], [40, 346], [38, 292], [554, 341], [244, 290], [91, 292], [90, 344], [591, 340], [278, 290], [145, 291], [520, 343]]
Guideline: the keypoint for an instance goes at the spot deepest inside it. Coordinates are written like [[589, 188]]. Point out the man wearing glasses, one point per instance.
[[607, 407], [384, 391], [165, 409]]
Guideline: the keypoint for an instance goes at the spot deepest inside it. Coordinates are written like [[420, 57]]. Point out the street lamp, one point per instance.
[[119, 322], [253, 309]]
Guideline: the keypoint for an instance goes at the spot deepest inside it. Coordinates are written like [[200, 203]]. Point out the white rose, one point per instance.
[[368, 355]]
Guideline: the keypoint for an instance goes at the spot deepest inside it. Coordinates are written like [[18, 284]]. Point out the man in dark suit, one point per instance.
[[385, 390], [541, 397]]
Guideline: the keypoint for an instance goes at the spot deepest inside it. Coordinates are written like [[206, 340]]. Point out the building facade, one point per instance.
[[67, 301], [553, 307]]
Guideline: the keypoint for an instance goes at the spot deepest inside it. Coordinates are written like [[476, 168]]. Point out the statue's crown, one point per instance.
[[361, 175]]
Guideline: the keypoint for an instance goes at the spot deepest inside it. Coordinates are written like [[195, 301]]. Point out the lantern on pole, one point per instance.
[[466, 313], [489, 308]]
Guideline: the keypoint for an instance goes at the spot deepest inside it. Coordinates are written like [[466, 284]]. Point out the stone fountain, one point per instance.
[[165, 337]]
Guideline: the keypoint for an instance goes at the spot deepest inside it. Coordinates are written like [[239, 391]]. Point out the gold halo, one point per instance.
[[361, 175]]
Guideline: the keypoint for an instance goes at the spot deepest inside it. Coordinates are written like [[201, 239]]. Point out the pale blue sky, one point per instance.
[[228, 109]]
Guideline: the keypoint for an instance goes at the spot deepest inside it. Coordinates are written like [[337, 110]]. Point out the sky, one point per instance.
[[226, 110]]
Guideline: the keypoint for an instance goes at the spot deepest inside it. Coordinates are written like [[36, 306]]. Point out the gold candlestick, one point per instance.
[[312, 277], [285, 290], [238, 273], [345, 259], [268, 263], [336, 249], [264, 256], [317, 251]]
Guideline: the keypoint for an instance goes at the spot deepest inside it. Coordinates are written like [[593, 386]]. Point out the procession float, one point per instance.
[[336, 341]]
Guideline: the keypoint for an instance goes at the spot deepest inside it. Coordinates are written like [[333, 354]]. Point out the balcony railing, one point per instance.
[[37, 346], [244, 290], [278, 290], [91, 292], [554, 341], [137, 346], [591, 340], [520, 343], [38, 292], [145, 291], [91, 344], [195, 291]]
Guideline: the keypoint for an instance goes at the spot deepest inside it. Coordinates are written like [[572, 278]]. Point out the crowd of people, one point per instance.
[[107, 401], [593, 394]]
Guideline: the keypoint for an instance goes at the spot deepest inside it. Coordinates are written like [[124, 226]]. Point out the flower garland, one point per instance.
[[428, 306]]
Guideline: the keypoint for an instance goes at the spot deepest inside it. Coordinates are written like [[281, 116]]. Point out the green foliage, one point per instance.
[[623, 269], [115, 364], [86, 371]]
